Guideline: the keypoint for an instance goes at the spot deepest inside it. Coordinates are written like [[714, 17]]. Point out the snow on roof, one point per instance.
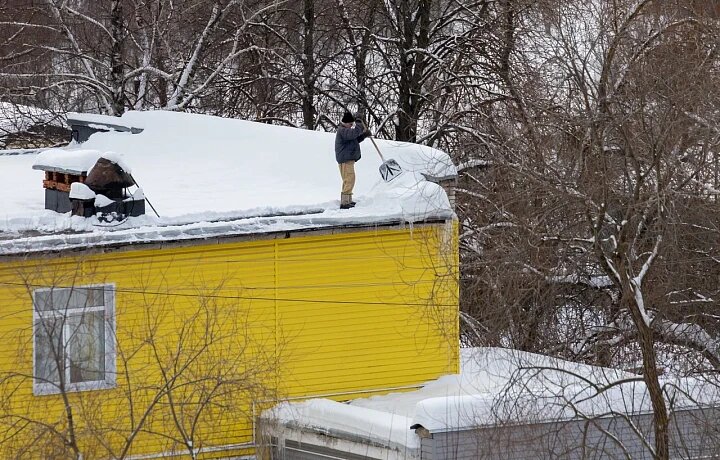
[[73, 161], [103, 122], [77, 160], [495, 386], [15, 118], [99, 119], [328, 415], [210, 176]]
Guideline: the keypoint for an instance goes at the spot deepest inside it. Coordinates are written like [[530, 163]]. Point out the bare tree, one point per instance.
[[581, 213], [131, 53]]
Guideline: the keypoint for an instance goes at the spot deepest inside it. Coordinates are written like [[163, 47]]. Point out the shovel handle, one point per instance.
[[373, 142], [376, 148]]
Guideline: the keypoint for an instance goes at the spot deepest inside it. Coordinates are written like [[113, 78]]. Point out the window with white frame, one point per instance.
[[74, 338]]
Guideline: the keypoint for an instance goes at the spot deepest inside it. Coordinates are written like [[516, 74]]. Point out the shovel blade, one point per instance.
[[389, 170]]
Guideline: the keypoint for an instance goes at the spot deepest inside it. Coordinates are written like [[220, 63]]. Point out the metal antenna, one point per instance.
[[146, 198]]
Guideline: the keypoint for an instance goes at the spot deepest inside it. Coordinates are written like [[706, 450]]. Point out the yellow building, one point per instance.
[[153, 336]]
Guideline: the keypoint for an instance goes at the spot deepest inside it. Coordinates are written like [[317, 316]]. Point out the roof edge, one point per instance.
[[61, 244], [106, 121]]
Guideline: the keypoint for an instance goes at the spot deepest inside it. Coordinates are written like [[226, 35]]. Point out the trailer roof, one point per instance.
[[496, 386]]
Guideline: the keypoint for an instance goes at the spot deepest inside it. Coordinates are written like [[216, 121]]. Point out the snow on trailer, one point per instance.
[[210, 176], [504, 404]]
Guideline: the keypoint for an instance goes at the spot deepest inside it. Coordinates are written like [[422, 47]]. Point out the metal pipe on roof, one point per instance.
[[146, 198]]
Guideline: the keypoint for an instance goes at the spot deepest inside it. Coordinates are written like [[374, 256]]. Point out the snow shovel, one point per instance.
[[389, 169]]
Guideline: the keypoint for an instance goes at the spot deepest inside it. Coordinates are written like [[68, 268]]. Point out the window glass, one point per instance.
[[70, 298], [48, 349], [78, 299], [74, 339], [60, 299], [95, 296], [86, 347], [42, 300]]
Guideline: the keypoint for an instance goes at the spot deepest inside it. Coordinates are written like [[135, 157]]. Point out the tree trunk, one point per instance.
[[117, 85], [652, 382], [308, 61], [415, 36], [632, 297]]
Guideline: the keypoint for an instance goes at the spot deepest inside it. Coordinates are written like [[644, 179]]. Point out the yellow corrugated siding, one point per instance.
[[329, 314]]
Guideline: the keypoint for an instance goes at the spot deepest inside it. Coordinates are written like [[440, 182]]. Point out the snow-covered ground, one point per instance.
[[495, 386], [209, 176]]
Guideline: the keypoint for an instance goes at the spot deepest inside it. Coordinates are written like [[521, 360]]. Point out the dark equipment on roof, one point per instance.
[[109, 179]]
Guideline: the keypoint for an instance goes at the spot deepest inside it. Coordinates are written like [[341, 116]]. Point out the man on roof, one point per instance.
[[350, 133]]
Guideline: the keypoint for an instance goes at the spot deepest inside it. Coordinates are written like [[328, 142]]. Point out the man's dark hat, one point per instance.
[[348, 117]]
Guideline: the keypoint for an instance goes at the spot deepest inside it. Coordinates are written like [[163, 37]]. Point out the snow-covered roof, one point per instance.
[[98, 119], [76, 160], [101, 122], [495, 386], [210, 176]]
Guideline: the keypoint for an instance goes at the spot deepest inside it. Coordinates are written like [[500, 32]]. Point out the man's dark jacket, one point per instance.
[[347, 142]]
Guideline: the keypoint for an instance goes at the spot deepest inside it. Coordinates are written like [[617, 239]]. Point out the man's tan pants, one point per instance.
[[347, 172]]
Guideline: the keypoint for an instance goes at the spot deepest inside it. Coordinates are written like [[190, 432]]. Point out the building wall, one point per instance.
[[207, 335]]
